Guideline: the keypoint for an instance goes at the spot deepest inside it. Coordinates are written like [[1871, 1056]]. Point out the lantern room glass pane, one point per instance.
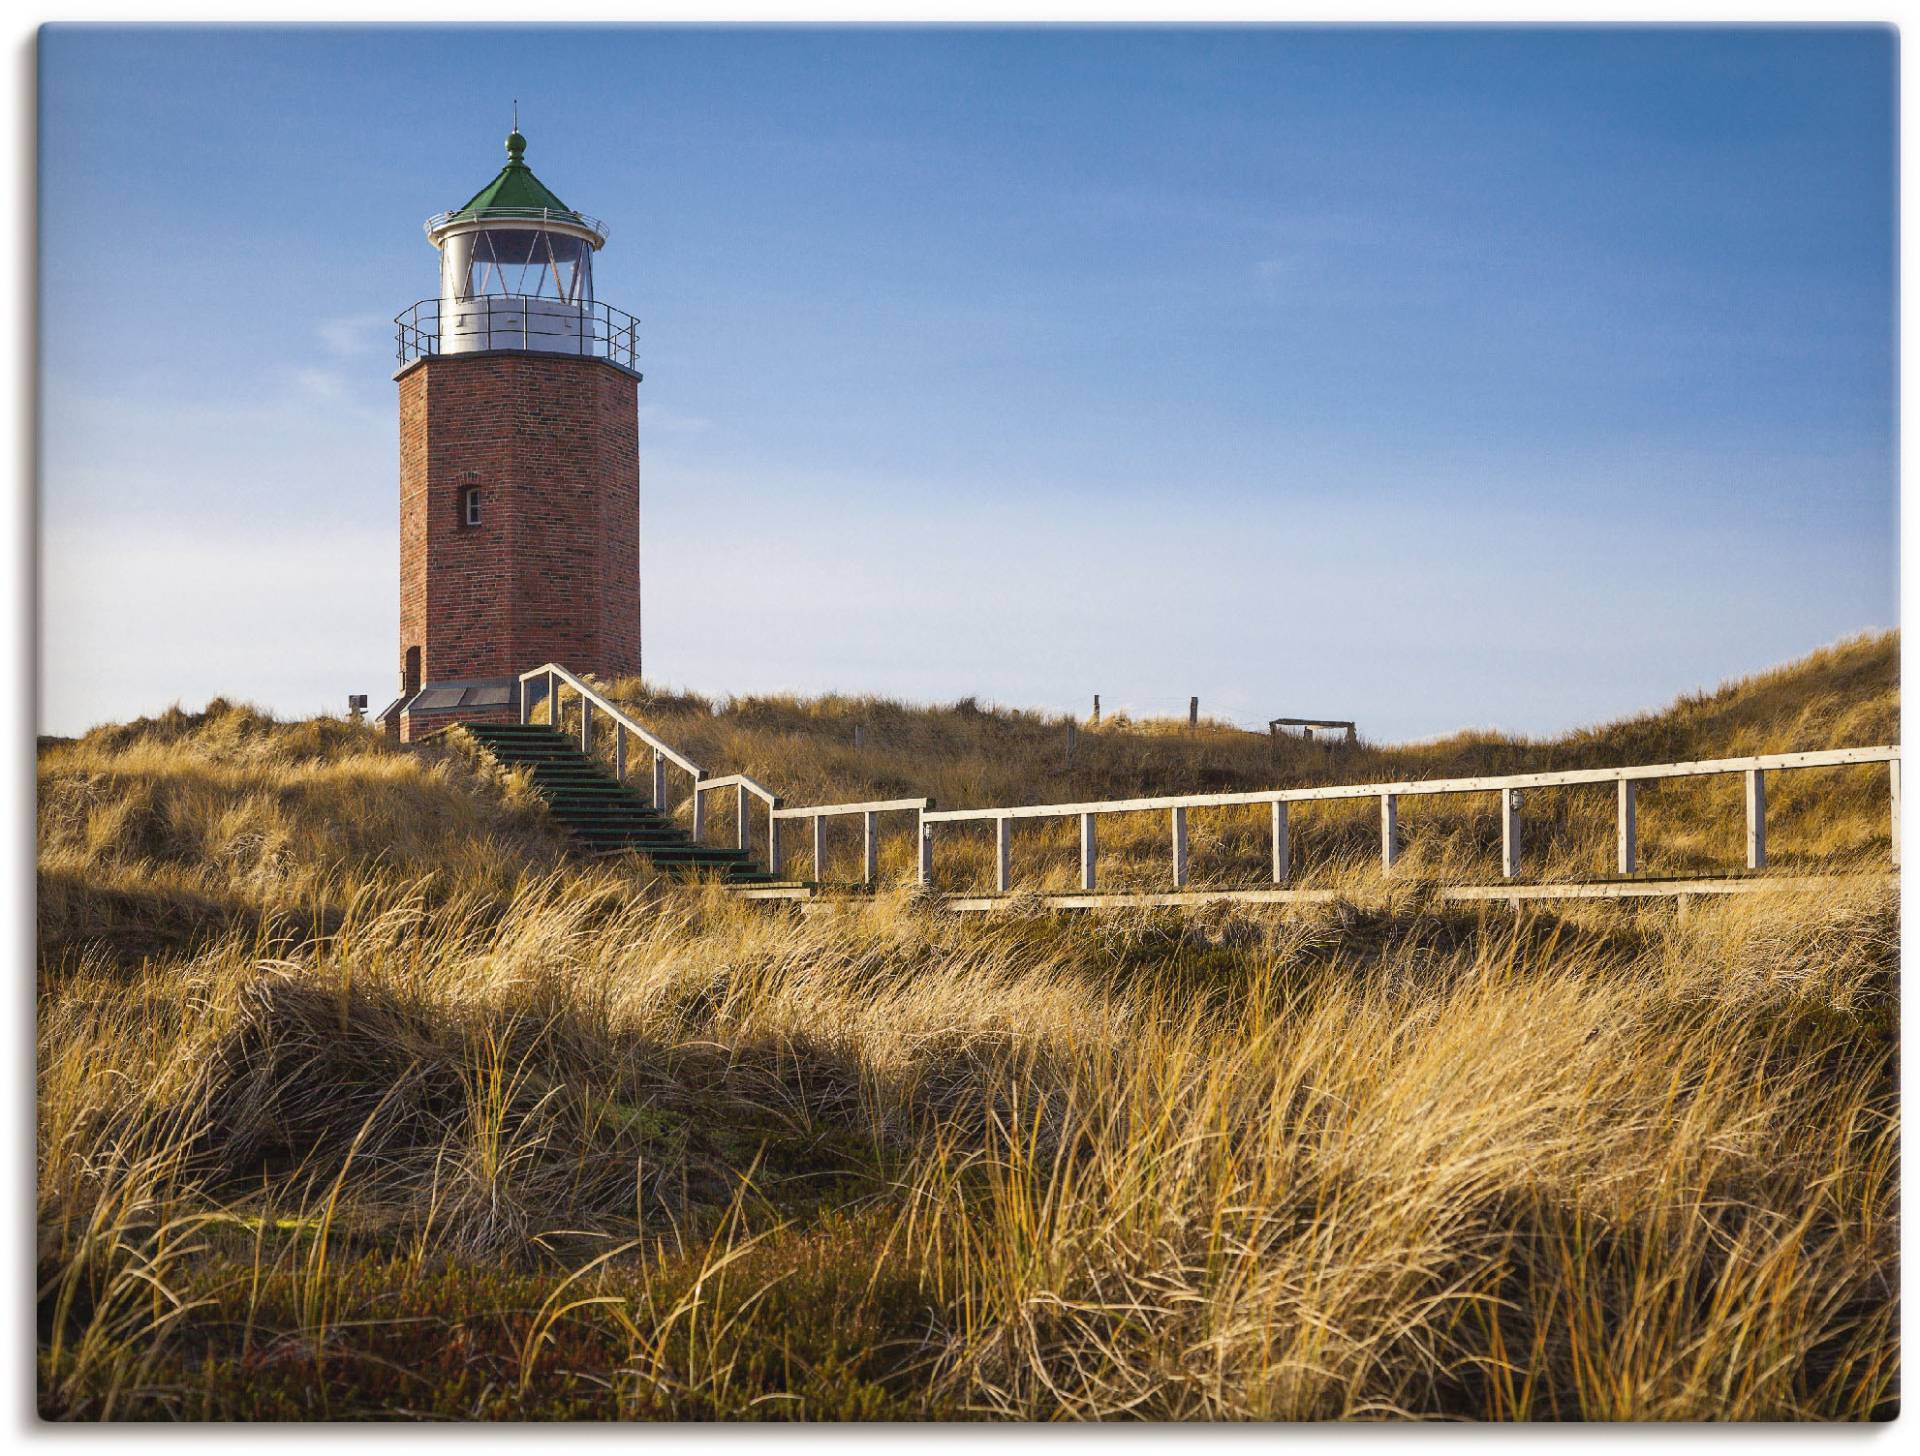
[[534, 262]]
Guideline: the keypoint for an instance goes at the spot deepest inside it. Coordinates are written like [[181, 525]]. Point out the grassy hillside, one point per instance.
[[357, 1097], [1847, 695]]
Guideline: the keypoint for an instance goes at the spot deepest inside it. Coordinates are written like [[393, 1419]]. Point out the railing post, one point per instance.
[[526, 702], [659, 782], [1893, 783], [1002, 853], [774, 856], [1282, 850], [820, 848], [1089, 852], [553, 701], [740, 813], [924, 867], [1179, 827], [619, 752], [1756, 819], [586, 724], [1389, 831], [1627, 858], [1509, 832], [870, 847], [699, 812]]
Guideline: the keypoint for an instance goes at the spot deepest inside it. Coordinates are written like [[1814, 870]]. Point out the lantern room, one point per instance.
[[516, 272]]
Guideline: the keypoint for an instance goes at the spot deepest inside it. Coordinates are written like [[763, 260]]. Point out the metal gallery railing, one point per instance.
[[542, 325]]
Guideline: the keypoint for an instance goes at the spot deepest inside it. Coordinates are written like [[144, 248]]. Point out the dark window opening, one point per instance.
[[410, 674], [470, 505]]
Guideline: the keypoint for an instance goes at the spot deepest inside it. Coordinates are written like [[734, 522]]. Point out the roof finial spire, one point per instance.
[[516, 144]]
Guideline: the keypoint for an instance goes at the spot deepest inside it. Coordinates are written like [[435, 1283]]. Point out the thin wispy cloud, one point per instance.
[[357, 336]]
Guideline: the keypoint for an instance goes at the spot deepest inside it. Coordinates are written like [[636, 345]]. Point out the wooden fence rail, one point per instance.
[[1509, 789]]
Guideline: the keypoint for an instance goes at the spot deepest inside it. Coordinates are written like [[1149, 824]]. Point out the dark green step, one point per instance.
[[605, 799], [642, 822], [608, 817]]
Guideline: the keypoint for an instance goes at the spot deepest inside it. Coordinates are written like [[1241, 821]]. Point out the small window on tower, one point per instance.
[[470, 505]]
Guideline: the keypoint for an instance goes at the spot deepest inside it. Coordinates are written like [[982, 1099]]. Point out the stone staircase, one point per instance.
[[606, 817]]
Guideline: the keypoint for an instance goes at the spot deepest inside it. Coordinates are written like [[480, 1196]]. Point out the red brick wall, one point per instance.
[[552, 572]]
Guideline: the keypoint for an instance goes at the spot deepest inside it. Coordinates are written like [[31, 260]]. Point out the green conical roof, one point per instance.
[[516, 190]]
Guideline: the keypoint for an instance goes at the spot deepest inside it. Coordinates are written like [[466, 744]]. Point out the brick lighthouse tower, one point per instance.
[[519, 461]]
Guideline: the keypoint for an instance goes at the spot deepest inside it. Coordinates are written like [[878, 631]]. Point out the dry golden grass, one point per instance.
[[963, 757], [400, 1113]]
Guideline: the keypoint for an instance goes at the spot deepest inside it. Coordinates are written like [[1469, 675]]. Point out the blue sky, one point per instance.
[[1430, 378]]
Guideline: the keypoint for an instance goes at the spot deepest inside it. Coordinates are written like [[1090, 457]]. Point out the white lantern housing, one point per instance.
[[516, 272]]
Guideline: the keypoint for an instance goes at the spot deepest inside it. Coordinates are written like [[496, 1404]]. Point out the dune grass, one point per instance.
[[356, 1097], [965, 757]]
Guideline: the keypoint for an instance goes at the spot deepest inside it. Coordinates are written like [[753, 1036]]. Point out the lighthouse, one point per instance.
[[519, 460]]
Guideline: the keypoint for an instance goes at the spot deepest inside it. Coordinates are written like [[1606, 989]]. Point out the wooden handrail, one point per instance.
[[1625, 779], [1826, 758], [666, 751], [741, 781], [876, 806]]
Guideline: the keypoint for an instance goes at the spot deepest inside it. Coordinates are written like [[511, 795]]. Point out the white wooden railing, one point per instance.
[[557, 677], [1508, 788], [869, 813], [742, 786], [664, 754]]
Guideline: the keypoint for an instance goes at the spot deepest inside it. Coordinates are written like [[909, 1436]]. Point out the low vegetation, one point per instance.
[[357, 1096], [966, 757]]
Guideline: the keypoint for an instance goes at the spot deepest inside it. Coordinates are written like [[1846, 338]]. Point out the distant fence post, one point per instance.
[[1193, 712], [1628, 858], [1389, 831], [1281, 850], [1756, 819], [1096, 710], [1073, 734], [1179, 826], [859, 735], [1089, 852], [1509, 832]]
